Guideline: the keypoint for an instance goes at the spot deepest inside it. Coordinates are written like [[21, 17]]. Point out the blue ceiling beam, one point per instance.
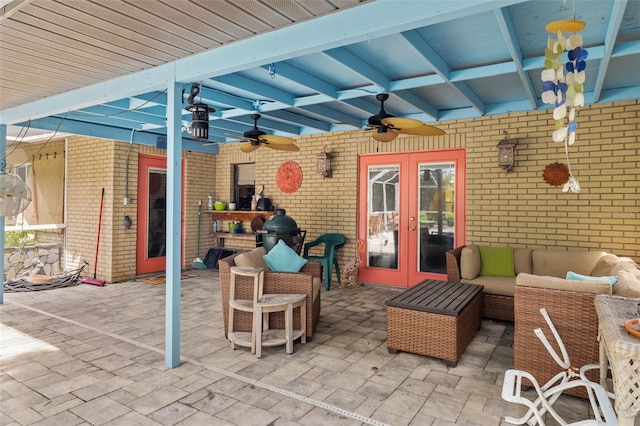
[[237, 125], [613, 95], [537, 63], [483, 71], [251, 86], [62, 125], [624, 49], [299, 120], [106, 111], [228, 125], [148, 98], [360, 67], [156, 110], [214, 98], [305, 79], [358, 92], [509, 34], [441, 68], [79, 117], [138, 104], [419, 103], [266, 123], [332, 115], [413, 82], [617, 13], [365, 106]]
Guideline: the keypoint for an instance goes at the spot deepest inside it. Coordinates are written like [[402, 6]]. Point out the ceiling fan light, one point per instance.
[[249, 147], [254, 133], [376, 120], [384, 135]]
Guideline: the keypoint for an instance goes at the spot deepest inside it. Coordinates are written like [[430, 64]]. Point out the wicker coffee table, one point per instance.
[[434, 318]]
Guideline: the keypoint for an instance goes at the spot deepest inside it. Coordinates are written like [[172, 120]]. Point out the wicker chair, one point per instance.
[[494, 306], [574, 316], [274, 282]]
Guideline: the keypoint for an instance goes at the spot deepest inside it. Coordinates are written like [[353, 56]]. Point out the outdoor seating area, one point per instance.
[[88, 354], [320, 212]]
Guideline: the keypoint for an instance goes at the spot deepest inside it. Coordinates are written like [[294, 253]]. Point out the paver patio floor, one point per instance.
[[88, 355]]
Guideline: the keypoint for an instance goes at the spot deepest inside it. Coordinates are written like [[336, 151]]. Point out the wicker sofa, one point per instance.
[[540, 283], [498, 293], [306, 281]]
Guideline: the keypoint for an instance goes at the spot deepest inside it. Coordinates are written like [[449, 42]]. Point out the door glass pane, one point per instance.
[[157, 228], [382, 216], [436, 225]]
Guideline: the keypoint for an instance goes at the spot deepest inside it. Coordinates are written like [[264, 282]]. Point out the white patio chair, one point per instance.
[[570, 371], [512, 392], [554, 387]]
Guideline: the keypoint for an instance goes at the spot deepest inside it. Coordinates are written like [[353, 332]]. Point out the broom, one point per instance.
[[94, 280], [197, 262]]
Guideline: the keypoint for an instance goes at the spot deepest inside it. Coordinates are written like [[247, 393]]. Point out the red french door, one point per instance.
[[411, 211], [151, 230]]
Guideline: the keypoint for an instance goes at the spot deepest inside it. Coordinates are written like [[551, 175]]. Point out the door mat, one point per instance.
[[161, 279]]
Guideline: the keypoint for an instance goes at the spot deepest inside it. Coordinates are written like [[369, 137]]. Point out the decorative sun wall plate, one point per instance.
[[556, 174], [289, 177]]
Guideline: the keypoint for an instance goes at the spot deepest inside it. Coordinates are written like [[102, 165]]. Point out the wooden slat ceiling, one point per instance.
[[53, 46]]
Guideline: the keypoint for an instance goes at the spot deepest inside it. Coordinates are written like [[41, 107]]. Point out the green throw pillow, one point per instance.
[[496, 261], [283, 258]]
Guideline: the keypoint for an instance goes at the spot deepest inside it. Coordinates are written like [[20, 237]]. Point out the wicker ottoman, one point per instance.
[[434, 318]]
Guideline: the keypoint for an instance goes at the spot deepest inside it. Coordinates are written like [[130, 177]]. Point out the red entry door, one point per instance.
[[411, 211], [151, 230]]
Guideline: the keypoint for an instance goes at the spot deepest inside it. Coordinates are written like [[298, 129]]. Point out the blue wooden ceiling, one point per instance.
[[438, 60]]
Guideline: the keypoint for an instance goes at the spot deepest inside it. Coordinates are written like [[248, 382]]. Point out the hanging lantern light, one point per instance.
[[199, 115]]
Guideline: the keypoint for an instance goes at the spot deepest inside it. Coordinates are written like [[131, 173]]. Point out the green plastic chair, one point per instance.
[[332, 242]]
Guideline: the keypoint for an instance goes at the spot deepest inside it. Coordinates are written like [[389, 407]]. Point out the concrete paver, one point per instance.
[[94, 355]]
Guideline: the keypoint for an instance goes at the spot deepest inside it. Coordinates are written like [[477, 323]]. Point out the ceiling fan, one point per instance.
[[255, 138], [387, 127]]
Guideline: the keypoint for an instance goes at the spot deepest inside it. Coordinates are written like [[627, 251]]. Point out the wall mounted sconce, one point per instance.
[[323, 163], [199, 116], [506, 153]]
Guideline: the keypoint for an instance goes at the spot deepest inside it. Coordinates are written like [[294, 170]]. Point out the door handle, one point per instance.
[[412, 219], [412, 228]]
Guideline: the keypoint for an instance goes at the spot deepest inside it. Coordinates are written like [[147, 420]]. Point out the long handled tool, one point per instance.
[[94, 280], [197, 262]]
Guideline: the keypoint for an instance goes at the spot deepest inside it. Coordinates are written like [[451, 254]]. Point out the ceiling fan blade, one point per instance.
[[400, 123], [424, 130], [276, 140], [387, 136], [248, 147], [283, 147]]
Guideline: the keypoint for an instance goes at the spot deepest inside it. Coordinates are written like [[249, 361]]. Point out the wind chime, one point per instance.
[[565, 91]]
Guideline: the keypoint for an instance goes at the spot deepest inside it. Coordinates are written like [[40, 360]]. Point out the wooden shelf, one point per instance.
[[234, 236], [238, 214]]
